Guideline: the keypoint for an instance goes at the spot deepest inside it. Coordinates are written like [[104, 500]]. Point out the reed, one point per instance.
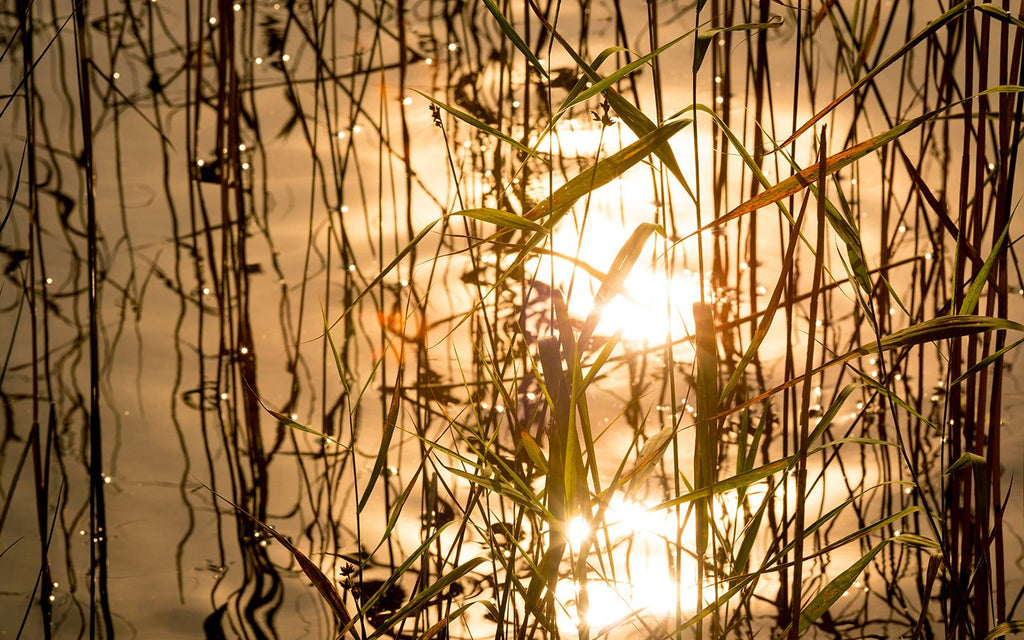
[[517, 319]]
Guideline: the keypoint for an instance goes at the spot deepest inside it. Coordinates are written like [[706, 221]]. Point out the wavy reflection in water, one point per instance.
[[377, 319]]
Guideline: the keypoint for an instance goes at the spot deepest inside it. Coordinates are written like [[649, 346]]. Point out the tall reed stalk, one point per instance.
[[516, 319]]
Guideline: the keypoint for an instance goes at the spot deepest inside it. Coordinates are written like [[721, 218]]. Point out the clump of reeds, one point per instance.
[[811, 443]]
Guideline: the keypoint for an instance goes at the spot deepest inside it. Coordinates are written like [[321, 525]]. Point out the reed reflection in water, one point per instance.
[[390, 318]]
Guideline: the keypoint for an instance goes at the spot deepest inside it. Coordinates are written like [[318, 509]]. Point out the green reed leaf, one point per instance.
[[915, 540], [606, 170], [501, 219], [705, 448], [650, 455], [981, 364], [970, 301], [1000, 14], [729, 484], [836, 588], [968, 459], [631, 115]]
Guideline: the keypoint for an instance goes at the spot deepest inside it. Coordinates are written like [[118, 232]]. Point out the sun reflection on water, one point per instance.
[[636, 579], [653, 304]]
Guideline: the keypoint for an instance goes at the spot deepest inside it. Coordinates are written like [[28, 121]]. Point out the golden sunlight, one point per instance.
[[653, 305]]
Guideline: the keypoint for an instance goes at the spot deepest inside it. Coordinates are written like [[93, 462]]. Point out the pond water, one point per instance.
[[270, 174]]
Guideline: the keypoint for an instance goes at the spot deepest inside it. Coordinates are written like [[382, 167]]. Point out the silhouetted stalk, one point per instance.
[[34, 289], [97, 508], [796, 605]]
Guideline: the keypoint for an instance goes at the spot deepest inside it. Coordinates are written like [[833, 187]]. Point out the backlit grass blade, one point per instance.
[[838, 161], [1005, 629], [834, 163], [731, 483], [836, 588], [498, 488], [579, 413], [611, 79], [607, 169], [480, 125], [999, 13], [929, 29], [896, 399], [617, 274], [650, 455], [514, 37], [705, 448], [970, 301], [388, 430], [705, 38], [501, 219], [427, 596], [632, 116], [833, 410], [295, 424], [984, 362]]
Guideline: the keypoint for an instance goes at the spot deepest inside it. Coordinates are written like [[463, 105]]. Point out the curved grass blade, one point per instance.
[[981, 364], [705, 38], [735, 482], [294, 424], [834, 163], [1000, 14], [385, 441], [650, 455], [316, 577], [632, 116], [611, 79], [1005, 629], [805, 178]]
